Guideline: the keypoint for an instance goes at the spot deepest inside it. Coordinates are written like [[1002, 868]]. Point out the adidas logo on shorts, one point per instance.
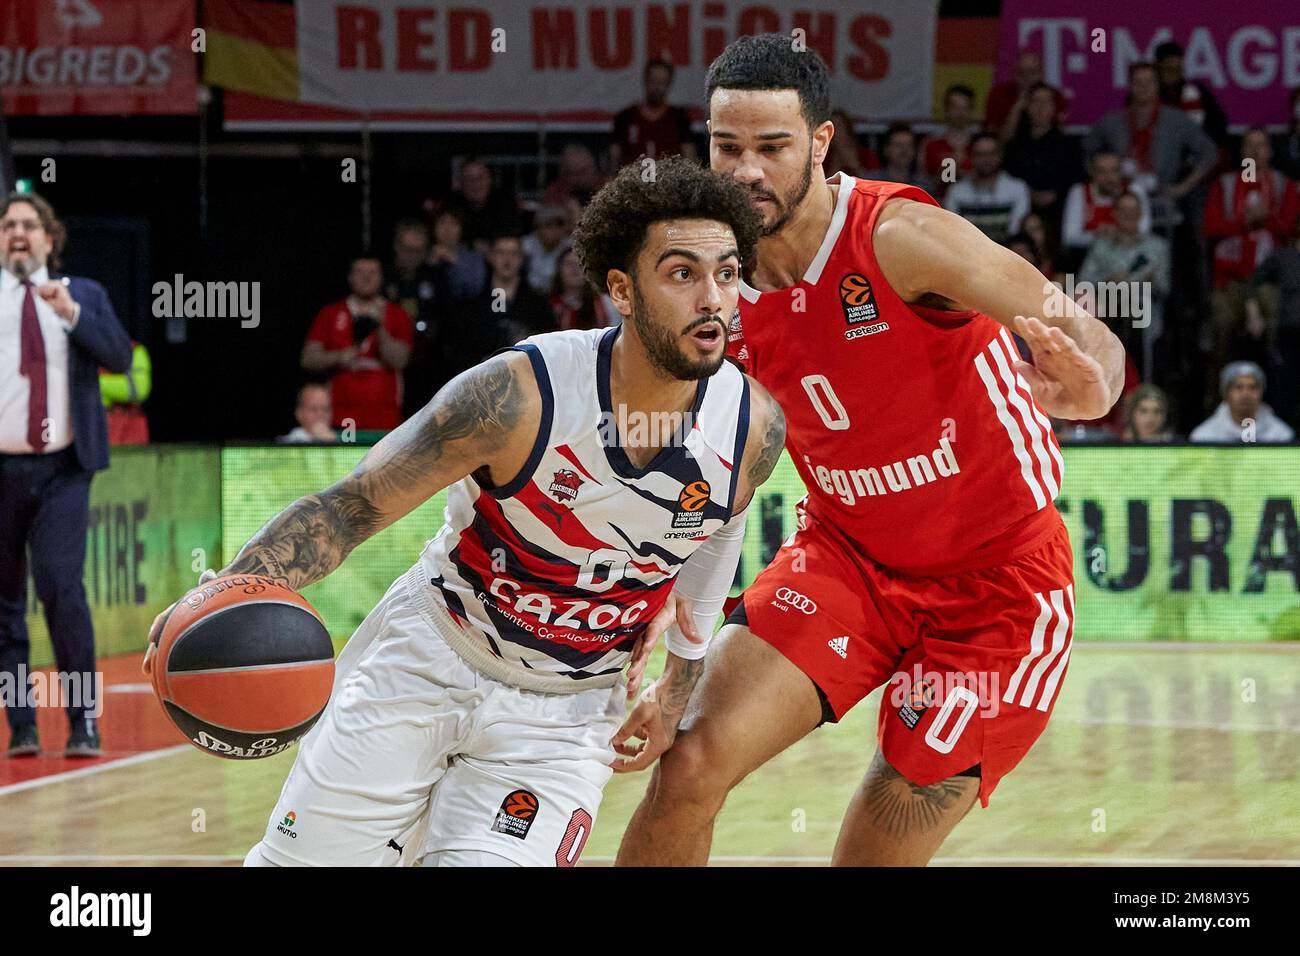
[[840, 645]]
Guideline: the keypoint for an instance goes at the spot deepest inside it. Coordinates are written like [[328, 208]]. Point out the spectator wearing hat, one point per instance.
[[1242, 416]]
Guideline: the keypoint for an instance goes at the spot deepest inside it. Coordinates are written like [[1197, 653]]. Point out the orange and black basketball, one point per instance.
[[855, 289], [243, 666], [694, 496]]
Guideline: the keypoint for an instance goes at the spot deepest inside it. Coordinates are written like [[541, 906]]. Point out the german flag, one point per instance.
[[252, 47], [966, 52]]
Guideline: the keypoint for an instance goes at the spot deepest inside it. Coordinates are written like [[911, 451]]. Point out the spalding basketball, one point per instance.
[[244, 666]]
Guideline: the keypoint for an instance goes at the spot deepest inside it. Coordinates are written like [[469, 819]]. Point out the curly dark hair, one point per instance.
[[769, 61], [614, 226]]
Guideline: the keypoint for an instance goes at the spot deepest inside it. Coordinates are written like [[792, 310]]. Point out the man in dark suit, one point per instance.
[[56, 333]]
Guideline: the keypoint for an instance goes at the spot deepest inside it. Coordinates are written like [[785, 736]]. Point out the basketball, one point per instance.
[[244, 666]]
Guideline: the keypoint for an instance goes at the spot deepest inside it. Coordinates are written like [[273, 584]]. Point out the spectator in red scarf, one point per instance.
[[1163, 151], [1251, 211], [1090, 206]]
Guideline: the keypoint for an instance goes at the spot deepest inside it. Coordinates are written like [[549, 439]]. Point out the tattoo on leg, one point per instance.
[[899, 807]]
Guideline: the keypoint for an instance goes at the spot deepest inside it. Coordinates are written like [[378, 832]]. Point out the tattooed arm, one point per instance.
[[764, 444], [482, 422]]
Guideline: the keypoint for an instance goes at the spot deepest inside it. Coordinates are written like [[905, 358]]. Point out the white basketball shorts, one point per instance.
[[419, 755]]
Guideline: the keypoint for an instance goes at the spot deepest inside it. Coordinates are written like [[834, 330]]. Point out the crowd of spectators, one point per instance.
[[1184, 238]]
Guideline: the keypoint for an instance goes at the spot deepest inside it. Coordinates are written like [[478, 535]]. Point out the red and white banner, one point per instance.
[[581, 61], [1247, 53], [60, 57]]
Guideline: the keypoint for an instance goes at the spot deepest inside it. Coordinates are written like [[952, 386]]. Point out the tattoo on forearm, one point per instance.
[[773, 444], [673, 698], [311, 537], [901, 808], [486, 402]]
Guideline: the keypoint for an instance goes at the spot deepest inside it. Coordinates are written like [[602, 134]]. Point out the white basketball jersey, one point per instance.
[[550, 579]]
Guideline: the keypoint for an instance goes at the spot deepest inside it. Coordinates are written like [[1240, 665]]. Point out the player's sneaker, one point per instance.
[[84, 740], [24, 742]]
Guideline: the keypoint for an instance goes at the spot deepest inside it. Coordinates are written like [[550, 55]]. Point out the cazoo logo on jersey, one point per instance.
[[792, 598]]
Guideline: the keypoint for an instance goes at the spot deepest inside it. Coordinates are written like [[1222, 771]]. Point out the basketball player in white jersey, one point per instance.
[[473, 713]]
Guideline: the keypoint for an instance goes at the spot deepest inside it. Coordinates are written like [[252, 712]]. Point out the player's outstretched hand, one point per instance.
[[156, 627], [1066, 382]]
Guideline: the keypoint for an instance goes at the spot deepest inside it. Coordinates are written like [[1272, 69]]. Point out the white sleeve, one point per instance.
[[705, 579]]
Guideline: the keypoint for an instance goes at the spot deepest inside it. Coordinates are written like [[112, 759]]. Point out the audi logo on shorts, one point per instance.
[[797, 600]]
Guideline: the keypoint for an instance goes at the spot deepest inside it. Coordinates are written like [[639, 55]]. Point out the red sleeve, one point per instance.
[[322, 329], [1284, 222], [398, 324], [1217, 223]]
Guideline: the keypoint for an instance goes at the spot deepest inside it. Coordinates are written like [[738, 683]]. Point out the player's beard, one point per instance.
[[663, 346], [787, 204]]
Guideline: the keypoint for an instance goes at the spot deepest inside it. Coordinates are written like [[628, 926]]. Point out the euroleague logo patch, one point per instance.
[[921, 698], [690, 505], [518, 810], [859, 304]]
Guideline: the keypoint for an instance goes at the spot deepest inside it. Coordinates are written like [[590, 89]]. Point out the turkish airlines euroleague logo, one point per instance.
[[859, 304], [517, 812], [690, 505]]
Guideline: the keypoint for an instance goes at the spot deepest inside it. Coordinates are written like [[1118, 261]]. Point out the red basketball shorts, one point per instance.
[[973, 661]]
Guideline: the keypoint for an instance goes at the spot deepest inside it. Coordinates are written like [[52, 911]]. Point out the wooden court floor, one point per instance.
[[1163, 755]]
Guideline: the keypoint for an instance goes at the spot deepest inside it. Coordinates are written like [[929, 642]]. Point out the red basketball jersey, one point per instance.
[[909, 425]]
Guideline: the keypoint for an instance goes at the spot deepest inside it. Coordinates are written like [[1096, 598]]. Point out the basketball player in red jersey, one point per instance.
[[928, 554]]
